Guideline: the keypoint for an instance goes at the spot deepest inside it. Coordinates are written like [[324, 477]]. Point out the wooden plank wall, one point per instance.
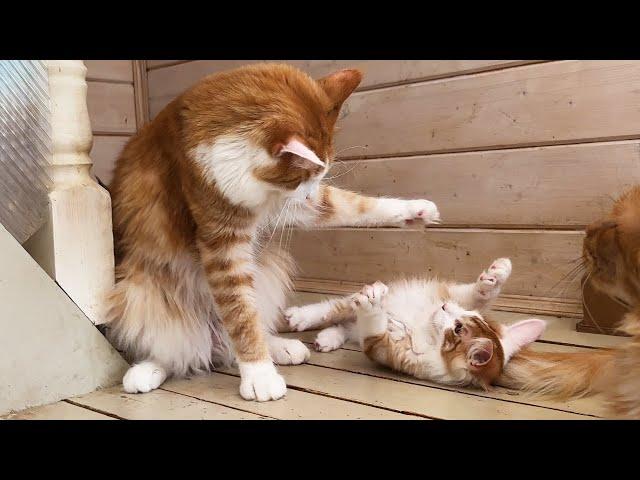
[[518, 155], [111, 103]]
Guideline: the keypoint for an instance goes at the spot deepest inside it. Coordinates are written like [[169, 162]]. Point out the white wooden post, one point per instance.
[[76, 245]]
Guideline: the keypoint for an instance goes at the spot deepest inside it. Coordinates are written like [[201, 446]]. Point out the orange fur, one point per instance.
[[611, 253], [198, 282], [170, 221]]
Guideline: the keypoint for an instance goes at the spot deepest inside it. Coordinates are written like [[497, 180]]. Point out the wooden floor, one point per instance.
[[339, 385]]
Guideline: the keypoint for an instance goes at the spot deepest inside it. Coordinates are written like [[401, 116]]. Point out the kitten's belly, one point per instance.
[[413, 302]]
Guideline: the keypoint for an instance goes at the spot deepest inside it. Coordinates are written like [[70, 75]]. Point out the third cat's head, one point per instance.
[[476, 349], [611, 250], [271, 122]]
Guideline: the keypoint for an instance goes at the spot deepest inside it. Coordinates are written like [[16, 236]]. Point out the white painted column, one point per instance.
[[76, 245]]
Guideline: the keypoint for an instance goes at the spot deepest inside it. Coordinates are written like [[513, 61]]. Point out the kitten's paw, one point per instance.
[[370, 296], [143, 377], [329, 339], [261, 381], [304, 318], [288, 351], [421, 211], [498, 272], [491, 280]]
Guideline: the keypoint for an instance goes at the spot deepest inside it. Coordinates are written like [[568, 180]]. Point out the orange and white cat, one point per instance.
[[196, 195], [427, 328]]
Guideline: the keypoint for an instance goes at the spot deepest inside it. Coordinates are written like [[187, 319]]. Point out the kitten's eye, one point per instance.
[[458, 329]]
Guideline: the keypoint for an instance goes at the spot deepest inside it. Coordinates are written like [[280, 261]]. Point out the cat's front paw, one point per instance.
[[261, 381], [370, 297], [490, 281], [421, 211]]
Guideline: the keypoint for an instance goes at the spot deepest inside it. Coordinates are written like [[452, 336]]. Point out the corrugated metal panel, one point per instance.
[[25, 146]]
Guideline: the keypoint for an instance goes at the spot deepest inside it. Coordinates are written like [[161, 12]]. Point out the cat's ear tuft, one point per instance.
[[339, 85], [521, 334], [480, 352]]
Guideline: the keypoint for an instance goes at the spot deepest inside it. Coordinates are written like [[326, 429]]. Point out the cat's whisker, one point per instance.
[[295, 213], [567, 279], [584, 304], [350, 148], [284, 225], [278, 220], [343, 173], [578, 259]]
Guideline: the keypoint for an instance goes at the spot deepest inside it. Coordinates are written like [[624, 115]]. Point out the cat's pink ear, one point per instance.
[[339, 85], [296, 147], [521, 334], [480, 352]]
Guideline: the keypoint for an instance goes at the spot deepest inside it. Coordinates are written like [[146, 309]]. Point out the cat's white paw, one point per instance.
[[261, 381], [491, 280], [329, 339], [498, 272], [288, 351], [143, 377], [370, 296], [304, 318], [421, 211]]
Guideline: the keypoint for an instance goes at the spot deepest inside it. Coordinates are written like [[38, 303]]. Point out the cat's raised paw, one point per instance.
[[370, 296], [143, 377], [491, 280], [499, 271], [261, 381]]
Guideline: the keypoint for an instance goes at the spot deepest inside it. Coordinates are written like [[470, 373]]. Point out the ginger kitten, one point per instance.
[[427, 328], [196, 195]]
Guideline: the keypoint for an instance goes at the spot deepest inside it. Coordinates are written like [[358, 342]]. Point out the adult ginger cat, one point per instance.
[[427, 328], [195, 195]]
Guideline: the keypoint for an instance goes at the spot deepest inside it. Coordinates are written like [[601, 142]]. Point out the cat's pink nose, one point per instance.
[[444, 306]]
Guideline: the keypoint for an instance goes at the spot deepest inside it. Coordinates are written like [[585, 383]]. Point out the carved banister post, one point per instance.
[[76, 245]]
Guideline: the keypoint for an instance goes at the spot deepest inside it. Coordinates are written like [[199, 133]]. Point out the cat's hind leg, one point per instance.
[[163, 337], [334, 337], [143, 377], [370, 319], [479, 295]]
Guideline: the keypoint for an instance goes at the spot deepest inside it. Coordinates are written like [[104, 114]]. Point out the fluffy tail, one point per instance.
[[558, 375]]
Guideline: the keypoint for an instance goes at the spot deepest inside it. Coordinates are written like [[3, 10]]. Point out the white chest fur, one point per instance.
[[229, 162]]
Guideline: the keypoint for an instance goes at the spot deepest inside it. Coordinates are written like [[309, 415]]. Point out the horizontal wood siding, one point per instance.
[[518, 155]]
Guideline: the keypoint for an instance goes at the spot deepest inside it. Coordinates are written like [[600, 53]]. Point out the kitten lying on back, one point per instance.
[[427, 328]]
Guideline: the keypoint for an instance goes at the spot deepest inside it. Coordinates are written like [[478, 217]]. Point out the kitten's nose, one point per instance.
[[444, 306]]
